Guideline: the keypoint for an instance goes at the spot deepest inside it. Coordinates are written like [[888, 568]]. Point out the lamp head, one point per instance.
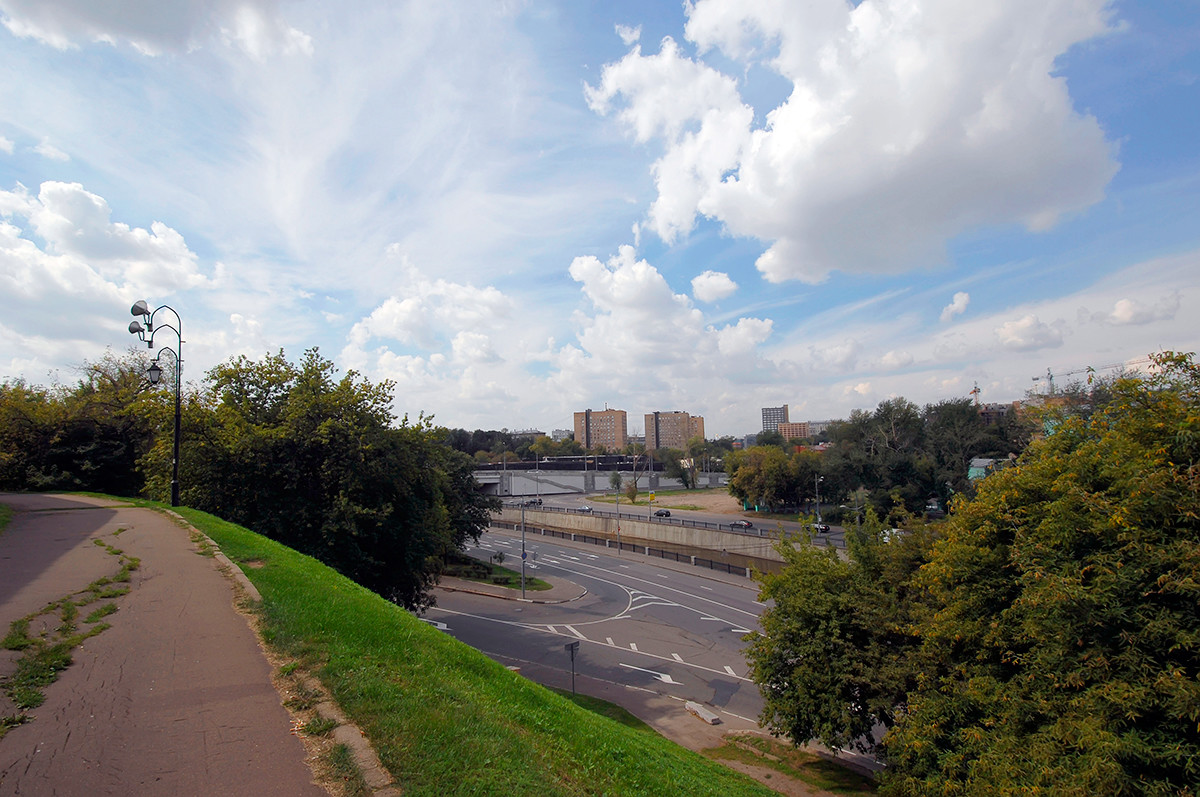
[[135, 327], [139, 308], [154, 372]]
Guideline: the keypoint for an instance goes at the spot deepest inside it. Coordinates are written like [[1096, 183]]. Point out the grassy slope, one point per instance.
[[444, 718]]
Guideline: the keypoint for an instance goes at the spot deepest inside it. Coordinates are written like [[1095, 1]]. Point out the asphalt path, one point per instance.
[[174, 698], [649, 627]]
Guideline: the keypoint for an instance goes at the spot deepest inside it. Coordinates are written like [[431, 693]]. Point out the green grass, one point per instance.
[[793, 763], [443, 717], [6, 514]]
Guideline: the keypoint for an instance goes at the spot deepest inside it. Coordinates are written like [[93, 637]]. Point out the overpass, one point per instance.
[[505, 483]]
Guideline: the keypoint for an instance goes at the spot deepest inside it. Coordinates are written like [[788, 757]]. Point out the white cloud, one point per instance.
[[81, 238], [957, 306], [1028, 334], [629, 34], [255, 26], [51, 152], [713, 286], [893, 360], [909, 122], [429, 313], [1131, 312], [6, 146]]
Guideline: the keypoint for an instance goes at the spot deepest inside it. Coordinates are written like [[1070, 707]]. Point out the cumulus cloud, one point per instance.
[[1131, 312], [1028, 334], [957, 306], [713, 286], [255, 26], [81, 238], [629, 35], [6, 146], [893, 360], [908, 122], [431, 312]]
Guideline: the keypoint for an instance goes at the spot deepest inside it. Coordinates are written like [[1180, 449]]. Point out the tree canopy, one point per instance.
[[289, 450], [1048, 642]]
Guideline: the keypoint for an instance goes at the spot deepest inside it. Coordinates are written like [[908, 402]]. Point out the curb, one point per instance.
[[456, 587]]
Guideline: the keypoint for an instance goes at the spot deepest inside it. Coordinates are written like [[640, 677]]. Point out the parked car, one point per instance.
[[741, 524], [662, 513]]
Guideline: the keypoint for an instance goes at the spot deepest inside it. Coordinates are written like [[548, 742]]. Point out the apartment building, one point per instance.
[[793, 431], [595, 428], [773, 416], [672, 429]]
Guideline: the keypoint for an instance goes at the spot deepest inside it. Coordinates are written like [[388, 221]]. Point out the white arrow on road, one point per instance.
[[662, 676]]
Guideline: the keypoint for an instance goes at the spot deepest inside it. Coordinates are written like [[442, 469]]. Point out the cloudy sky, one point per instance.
[[516, 210]]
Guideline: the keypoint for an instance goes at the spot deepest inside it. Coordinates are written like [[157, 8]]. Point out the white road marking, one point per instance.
[[677, 657], [701, 586], [718, 619], [661, 676], [740, 630], [551, 629], [542, 629], [436, 624], [633, 646], [581, 636], [614, 644], [729, 670], [624, 566]]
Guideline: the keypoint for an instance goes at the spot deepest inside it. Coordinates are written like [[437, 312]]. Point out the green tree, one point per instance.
[[1061, 638], [836, 655], [320, 464]]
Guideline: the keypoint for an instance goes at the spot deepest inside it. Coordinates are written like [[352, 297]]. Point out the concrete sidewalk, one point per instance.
[[175, 698]]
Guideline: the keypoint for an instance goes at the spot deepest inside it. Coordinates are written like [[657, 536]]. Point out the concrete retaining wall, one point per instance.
[[647, 532]]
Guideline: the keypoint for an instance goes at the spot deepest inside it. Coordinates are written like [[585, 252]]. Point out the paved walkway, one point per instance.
[[175, 698]]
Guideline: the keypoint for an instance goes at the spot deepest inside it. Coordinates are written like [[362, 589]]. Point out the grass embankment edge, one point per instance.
[[444, 718]]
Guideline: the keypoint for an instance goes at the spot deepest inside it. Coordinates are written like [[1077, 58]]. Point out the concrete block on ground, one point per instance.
[[702, 712]]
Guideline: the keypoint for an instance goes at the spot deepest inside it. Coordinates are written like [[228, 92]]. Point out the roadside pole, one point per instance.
[[522, 550]]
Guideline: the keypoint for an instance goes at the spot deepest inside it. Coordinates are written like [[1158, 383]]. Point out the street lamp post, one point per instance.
[[145, 329], [817, 487]]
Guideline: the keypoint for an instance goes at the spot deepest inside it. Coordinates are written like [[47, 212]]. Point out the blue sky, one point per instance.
[[518, 210]]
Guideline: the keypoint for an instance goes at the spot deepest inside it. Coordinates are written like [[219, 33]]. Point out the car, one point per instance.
[[586, 509], [820, 528], [662, 513], [741, 524]]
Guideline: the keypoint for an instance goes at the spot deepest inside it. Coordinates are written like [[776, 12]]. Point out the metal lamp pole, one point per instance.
[[145, 330], [817, 487]]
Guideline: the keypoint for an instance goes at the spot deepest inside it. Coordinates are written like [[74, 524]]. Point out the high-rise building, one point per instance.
[[773, 416], [672, 429], [607, 428]]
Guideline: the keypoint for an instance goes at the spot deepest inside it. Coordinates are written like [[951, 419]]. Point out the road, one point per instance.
[[834, 537], [641, 625]]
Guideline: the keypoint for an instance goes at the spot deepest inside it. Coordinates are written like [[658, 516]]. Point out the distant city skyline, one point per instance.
[[513, 211]]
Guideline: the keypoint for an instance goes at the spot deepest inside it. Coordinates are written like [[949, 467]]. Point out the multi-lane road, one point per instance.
[[643, 624]]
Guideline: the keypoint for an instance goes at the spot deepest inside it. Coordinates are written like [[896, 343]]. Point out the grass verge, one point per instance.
[[444, 718], [793, 763]]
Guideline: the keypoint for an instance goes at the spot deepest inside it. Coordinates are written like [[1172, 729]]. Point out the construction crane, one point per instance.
[[1089, 370], [975, 391]]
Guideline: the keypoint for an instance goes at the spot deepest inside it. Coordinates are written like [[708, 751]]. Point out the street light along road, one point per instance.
[[145, 329]]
